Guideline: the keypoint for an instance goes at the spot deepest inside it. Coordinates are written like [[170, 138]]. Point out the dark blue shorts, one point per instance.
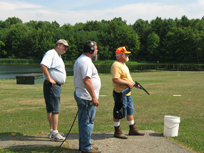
[[52, 97], [127, 105]]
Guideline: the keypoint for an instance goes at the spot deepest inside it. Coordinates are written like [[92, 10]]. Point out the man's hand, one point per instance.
[[52, 81], [131, 85], [95, 102], [138, 86]]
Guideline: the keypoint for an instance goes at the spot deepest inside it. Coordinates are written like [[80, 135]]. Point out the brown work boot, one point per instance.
[[119, 134], [134, 131], [91, 151]]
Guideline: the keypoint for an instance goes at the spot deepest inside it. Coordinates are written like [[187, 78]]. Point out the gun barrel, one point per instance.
[[146, 91], [141, 87]]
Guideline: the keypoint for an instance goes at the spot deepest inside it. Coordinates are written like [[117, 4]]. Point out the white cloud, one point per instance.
[[130, 12], [201, 2], [18, 9], [9, 6]]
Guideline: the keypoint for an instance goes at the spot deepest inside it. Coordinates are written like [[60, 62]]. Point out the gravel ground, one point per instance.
[[151, 142]]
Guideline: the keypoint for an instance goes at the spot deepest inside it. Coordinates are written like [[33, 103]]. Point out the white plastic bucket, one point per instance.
[[171, 126]]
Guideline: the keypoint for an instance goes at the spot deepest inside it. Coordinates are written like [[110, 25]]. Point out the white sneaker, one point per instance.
[[57, 137], [50, 135]]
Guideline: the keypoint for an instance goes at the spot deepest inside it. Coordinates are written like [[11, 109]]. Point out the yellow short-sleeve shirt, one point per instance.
[[119, 70]]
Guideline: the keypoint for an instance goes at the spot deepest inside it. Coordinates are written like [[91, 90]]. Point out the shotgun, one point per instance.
[[125, 91]]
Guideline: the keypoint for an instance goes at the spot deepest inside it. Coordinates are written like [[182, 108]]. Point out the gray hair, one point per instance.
[[117, 56]]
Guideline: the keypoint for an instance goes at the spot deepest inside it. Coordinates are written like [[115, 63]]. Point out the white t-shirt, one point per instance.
[[84, 67], [55, 65]]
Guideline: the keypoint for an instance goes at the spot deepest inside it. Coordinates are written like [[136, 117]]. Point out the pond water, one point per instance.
[[11, 71]]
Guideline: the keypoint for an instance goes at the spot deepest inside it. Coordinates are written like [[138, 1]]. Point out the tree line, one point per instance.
[[163, 40]]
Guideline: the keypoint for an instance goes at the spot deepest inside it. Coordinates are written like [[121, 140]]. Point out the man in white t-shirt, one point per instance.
[[54, 73], [87, 86]]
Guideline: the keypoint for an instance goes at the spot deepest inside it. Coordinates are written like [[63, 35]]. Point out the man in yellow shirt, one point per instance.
[[121, 80]]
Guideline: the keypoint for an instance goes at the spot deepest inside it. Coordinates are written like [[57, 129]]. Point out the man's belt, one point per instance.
[[50, 83]]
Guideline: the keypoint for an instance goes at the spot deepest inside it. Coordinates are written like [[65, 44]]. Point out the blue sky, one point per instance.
[[75, 11]]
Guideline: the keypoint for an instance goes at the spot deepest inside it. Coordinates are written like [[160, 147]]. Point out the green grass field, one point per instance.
[[23, 112]]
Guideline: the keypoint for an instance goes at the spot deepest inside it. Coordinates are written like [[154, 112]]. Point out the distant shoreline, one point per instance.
[[8, 61]]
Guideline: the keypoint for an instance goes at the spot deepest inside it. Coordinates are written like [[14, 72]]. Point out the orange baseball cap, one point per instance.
[[122, 50]]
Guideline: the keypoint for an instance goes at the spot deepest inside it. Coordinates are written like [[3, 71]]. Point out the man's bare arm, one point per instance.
[[89, 87], [123, 82], [47, 75]]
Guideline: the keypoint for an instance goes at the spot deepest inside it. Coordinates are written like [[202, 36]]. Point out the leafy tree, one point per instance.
[[72, 53], [103, 52], [185, 22], [10, 21], [120, 34], [1, 24], [92, 26], [80, 38], [55, 25], [31, 24], [79, 26], [198, 46], [153, 41], [143, 29], [180, 43], [2, 52], [13, 45], [13, 20], [166, 40], [103, 47], [39, 40]]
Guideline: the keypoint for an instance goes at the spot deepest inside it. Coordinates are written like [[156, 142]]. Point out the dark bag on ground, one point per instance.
[[118, 108]]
